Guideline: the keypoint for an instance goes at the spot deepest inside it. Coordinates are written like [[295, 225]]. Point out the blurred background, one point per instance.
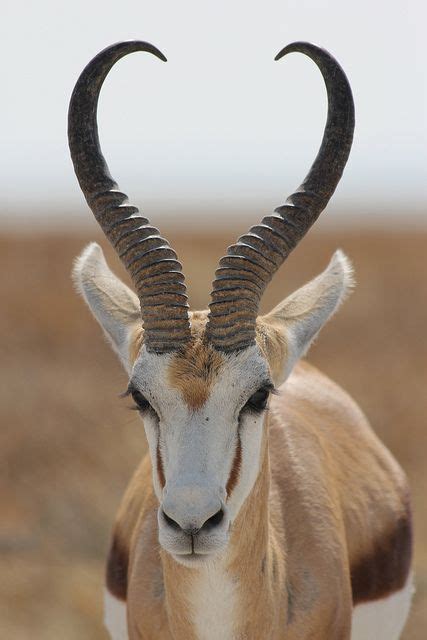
[[206, 145]]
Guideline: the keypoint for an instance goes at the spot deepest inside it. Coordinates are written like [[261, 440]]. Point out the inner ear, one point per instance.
[[289, 329], [112, 303], [136, 339], [273, 343]]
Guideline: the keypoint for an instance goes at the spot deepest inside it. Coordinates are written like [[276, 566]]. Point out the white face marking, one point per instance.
[[198, 446], [115, 617], [383, 619], [213, 600]]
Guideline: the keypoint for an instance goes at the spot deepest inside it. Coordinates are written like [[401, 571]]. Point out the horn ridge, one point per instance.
[[144, 253], [259, 253]]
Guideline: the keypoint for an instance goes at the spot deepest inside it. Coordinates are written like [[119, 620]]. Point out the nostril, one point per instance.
[[214, 520], [170, 521], [191, 528]]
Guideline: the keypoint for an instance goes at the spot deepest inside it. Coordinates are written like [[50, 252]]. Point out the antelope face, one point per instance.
[[201, 381], [203, 413]]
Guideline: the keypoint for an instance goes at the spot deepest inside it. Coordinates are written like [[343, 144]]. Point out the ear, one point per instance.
[[295, 322], [112, 303]]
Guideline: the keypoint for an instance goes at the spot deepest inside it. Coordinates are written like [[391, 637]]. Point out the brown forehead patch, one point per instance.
[[193, 372]]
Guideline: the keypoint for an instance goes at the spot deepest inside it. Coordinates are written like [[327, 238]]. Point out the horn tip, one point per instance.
[[151, 48], [299, 46], [160, 55], [128, 46]]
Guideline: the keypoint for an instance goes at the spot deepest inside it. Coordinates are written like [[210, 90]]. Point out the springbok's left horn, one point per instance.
[[249, 265], [152, 263]]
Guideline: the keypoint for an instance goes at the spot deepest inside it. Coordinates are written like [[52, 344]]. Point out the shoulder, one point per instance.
[[137, 505]]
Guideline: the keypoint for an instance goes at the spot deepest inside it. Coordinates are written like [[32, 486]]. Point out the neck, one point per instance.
[[240, 589]]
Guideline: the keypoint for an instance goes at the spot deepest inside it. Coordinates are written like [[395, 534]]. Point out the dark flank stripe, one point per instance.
[[117, 569], [386, 569]]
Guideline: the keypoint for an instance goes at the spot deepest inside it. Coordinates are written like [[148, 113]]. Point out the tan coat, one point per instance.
[[327, 525]]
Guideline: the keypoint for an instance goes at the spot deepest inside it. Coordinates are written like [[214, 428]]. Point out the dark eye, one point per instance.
[[258, 400], [140, 401]]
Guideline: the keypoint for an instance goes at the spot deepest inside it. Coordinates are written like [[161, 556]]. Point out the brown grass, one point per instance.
[[69, 444]]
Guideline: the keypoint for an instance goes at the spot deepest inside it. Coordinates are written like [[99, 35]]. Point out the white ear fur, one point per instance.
[[302, 314], [112, 303]]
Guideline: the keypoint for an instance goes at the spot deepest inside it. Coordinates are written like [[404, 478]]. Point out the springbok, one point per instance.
[[257, 513]]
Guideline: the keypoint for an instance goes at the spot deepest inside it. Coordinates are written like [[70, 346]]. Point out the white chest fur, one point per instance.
[[213, 600]]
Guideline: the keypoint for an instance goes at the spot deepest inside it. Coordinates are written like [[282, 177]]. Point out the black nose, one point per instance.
[[208, 525]]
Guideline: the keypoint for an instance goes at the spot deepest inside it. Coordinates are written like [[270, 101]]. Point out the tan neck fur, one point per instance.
[[254, 563], [257, 562]]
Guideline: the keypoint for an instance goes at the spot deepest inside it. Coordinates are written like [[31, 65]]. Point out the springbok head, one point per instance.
[[202, 380]]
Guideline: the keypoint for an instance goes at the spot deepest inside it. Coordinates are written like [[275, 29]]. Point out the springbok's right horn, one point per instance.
[[152, 263], [249, 265]]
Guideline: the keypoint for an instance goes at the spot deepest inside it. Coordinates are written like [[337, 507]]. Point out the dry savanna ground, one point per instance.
[[69, 444]]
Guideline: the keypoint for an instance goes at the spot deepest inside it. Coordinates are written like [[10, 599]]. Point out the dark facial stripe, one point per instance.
[[160, 471], [386, 569], [235, 469], [117, 568]]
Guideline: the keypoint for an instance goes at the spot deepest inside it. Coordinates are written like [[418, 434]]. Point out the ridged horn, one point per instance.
[[152, 263], [249, 265]]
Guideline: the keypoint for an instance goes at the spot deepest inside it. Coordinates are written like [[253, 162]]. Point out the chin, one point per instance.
[[198, 557]]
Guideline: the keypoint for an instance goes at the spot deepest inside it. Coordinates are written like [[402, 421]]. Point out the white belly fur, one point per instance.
[[383, 619], [115, 617]]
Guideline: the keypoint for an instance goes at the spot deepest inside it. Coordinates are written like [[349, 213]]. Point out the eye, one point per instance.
[[141, 402], [258, 400]]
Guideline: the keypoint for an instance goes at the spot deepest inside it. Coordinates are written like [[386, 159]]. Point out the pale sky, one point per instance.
[[221, 126]]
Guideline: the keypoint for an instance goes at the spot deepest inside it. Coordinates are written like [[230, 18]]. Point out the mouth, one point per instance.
[[192, 558]]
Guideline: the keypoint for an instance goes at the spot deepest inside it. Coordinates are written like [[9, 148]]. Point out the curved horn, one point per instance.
[[151, 262], [249, 265]]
